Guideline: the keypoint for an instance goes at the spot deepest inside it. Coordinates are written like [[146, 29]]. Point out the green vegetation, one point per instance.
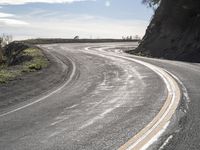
[[31, 60], [37, 62], [138, 53], [151, 3], [6, 75]]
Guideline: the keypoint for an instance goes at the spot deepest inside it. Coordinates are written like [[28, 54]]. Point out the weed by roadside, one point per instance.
[[37, 62], [31, 60]]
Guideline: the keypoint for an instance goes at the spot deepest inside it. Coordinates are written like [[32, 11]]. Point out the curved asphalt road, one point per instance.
[[105, 102]]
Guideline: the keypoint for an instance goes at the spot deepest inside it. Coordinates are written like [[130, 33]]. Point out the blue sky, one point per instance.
[[68, 18]]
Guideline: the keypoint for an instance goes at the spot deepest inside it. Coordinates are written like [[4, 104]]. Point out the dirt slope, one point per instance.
[[174, 32]]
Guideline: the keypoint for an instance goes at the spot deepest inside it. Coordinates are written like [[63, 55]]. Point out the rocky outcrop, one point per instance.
[[174, 32]]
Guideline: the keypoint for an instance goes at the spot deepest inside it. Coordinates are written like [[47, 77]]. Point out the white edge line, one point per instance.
[[46, 96], [166, 142]]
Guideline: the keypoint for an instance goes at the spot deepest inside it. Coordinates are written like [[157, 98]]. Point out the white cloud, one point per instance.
[[12, 22], [20, 2], [7, 19], [107, 3], [2, 15]]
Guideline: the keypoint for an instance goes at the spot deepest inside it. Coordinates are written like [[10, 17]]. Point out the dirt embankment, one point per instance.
[[174, 32]]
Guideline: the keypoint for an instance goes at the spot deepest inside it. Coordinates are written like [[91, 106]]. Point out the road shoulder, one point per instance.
[[33, 84]]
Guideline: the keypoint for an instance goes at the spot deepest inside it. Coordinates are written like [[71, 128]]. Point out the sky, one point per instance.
[[25, 19]]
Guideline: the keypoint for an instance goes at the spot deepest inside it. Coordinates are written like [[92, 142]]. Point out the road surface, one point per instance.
[[105, 101]]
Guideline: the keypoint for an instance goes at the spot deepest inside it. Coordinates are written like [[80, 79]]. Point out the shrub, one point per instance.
[[13, 51], [35, 66]]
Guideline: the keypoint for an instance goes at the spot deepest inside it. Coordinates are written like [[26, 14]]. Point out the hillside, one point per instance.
[[174, 32]]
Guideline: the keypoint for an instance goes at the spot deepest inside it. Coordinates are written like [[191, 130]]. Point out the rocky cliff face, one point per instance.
[[174, 32]]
